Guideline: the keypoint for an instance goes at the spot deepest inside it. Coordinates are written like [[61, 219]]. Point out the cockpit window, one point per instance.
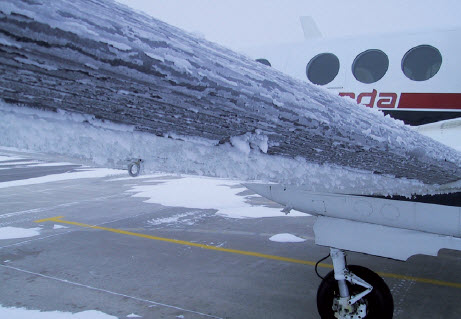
[[264, 61], [323, 68], [370, 66], [421, 63]]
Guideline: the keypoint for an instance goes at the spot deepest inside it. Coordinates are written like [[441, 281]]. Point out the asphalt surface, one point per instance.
[[129, 265]]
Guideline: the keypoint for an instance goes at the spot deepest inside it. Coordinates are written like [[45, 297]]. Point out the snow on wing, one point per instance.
[[102, 58]]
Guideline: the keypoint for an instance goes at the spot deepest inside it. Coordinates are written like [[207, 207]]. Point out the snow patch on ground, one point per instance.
[[205, 193], [59, 227], [50, 164], [21, 313], [10, 158], [16, 232], [19, 163], [286, 238], [86, 173]]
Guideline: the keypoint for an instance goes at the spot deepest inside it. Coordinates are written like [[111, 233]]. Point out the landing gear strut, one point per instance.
[[353, 292]]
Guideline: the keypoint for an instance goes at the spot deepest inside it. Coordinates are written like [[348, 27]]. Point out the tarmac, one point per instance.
[[97, 249]]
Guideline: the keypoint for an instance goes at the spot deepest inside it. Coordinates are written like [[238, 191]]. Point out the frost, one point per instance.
[[40, 65], [91, 66], [155, 56], [120, 46], [241, 143], [76, 27], [249, 141], [278, 103], [8, 8], [5, 42], [179, 62]]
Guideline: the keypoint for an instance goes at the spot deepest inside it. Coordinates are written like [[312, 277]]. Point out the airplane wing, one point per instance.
[[103, 59]]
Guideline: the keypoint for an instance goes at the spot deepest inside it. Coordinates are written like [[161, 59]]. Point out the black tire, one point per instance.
[[380, 304], [134, 169]]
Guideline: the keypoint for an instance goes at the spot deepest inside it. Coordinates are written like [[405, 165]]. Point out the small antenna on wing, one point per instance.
[[311, 31]]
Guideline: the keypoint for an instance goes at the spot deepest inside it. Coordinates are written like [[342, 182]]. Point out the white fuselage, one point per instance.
[[414, 101]]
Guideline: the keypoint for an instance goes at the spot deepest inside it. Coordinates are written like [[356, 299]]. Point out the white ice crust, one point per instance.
[[111, 145], [286, 104]]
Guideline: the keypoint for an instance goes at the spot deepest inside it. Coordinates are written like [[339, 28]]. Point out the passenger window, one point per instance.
[[323, 68], [421, 63], [370, 66], [264, 61]]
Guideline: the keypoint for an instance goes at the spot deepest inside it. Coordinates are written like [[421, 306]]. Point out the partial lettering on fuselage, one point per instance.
[[413, 101], [374, 99]]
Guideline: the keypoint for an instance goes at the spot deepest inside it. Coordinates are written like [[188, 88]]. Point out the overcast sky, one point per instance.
[[240, 24]]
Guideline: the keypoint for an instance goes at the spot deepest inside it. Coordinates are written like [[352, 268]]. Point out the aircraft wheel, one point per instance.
[[134, 168], [379, 302]]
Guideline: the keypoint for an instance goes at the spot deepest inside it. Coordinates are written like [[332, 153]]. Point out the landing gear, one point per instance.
[[353, 292]]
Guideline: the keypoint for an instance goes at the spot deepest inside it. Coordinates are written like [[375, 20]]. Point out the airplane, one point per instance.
[[410, 75], [103, 59]]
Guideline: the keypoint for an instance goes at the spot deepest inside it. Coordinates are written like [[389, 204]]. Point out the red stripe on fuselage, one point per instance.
[[438, 101]]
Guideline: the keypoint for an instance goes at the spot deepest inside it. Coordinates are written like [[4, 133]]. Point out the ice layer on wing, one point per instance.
[[102, 58]]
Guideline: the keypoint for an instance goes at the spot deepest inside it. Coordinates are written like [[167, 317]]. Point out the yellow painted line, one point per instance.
[[59, 219], [421, 280]]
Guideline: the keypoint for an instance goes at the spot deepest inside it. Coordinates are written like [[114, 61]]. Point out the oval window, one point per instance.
[[370, 66], [421, 63], [323, 68], [264, 61]]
